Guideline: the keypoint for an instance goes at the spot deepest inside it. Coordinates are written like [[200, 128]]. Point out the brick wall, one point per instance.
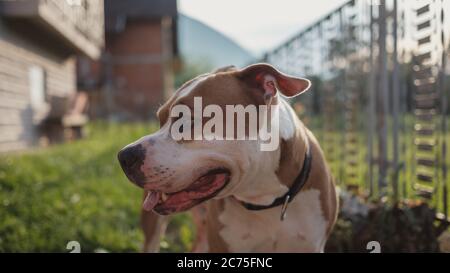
[[138, 68]]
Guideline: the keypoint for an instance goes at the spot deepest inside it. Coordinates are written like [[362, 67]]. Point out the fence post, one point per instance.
[[396, 105], [444, 110], [383, 101], [371, 108]]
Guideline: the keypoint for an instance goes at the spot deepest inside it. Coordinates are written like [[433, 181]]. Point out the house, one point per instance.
[[135, 74], [39, 42]]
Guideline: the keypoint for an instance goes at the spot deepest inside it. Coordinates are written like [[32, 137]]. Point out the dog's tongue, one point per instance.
[[151, 200]]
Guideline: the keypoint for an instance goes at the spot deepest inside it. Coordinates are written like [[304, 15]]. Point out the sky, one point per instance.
[[258, 25]]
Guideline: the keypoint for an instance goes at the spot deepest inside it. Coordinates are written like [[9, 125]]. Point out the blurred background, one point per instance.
[[81, 79]]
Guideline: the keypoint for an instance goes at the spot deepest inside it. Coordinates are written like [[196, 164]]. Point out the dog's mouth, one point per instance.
[[204, 188]]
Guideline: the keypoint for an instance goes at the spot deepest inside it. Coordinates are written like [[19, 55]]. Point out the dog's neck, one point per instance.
[[276, 171], [292, 151], [246, 230]]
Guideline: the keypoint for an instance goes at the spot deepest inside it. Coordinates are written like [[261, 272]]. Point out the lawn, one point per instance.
[[77, 192]]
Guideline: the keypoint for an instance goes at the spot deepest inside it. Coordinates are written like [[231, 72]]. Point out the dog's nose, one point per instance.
[[131, 158]]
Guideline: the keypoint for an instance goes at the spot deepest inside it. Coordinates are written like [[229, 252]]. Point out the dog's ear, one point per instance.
[[269, 80]]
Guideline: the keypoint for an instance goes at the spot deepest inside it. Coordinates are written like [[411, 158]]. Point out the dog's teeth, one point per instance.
[[164, 196]]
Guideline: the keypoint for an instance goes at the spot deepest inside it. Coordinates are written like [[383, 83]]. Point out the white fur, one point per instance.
[[259, 182], [303, 230], [287, 124]]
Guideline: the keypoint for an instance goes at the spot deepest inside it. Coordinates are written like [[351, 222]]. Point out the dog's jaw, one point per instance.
[[203, 189], [258, 183]]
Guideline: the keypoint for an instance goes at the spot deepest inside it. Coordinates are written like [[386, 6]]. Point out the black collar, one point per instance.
[[299, 182]]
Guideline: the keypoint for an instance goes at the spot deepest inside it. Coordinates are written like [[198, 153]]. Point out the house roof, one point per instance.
[[118, 12], [140, 8]]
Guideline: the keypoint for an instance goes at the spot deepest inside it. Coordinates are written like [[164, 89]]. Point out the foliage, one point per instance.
[[408, 227]]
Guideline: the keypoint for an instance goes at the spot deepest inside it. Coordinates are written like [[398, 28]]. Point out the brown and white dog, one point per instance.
[[180, 175]]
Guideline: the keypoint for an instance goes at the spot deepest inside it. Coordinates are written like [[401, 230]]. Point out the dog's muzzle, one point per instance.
[[131, 158]]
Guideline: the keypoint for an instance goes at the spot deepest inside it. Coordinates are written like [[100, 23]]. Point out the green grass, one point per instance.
[[77, 192]]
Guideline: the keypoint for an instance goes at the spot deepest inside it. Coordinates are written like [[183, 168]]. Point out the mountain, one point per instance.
[[199, 43]]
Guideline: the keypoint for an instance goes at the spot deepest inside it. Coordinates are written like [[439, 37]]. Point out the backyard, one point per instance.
[[77, 192]]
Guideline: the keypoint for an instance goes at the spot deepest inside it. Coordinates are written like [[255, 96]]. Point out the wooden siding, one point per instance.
[[17, 55]]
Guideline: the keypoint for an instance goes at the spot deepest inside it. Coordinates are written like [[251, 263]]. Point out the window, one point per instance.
[[38, 96]]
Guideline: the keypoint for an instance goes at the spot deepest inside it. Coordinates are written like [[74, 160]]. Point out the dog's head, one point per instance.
[[178, 174]]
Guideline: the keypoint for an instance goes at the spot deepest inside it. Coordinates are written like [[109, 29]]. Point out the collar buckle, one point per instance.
[[284, 207]]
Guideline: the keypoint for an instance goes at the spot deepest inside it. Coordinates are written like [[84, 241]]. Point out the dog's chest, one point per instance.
[[303, 230]]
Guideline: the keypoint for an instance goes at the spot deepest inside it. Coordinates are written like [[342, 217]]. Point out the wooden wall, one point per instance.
[[18, 52]]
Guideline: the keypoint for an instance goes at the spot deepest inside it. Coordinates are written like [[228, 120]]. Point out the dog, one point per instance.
[[242, 199]]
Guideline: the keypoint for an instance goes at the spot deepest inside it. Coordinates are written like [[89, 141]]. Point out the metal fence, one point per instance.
[[379, 71]]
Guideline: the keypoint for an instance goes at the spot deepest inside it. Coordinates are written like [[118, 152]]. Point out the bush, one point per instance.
[[404, 227]]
